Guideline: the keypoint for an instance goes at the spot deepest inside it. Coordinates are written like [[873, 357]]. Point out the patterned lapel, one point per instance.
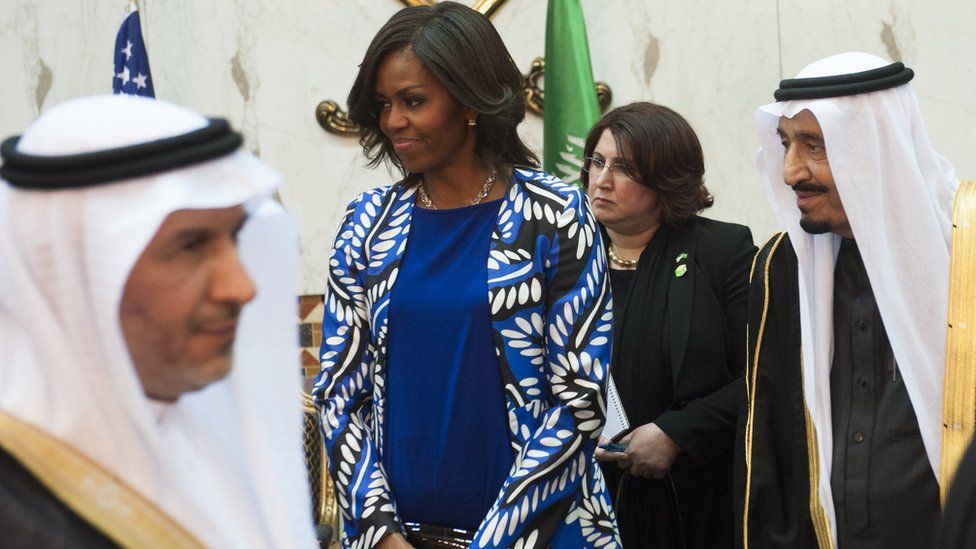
[[386, 243], [518, 271], [505, 263]]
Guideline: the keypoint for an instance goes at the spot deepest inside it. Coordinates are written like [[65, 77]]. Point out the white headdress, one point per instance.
[[225, 462], [897, 193]]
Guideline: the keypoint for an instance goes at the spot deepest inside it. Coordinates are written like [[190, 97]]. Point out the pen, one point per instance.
[[621, 435]]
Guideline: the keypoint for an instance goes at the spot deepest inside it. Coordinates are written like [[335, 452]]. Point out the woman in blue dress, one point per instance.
[[467, 330]]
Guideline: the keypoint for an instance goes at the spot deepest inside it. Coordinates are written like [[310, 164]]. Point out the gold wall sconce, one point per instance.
[[335, 120], [535, 96]]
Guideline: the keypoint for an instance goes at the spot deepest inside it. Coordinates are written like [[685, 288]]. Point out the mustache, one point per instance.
[[809, 188], [230, 313]]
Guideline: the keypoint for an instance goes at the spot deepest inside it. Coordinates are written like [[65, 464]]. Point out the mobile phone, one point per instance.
[[614, 447]]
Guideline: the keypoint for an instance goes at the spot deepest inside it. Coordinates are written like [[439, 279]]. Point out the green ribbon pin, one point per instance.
[[681, 269]]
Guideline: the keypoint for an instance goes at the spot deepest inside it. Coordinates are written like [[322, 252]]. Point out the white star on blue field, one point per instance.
[[131, 75]]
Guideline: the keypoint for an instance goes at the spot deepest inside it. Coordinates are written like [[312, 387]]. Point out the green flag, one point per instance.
[[570, 107]]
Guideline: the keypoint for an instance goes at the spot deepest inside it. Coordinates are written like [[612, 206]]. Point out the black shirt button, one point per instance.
[[861, 325], [862, 382], [858, 438]]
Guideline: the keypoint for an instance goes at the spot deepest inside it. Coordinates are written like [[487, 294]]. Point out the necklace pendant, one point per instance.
[[425, 200], [428, 203]]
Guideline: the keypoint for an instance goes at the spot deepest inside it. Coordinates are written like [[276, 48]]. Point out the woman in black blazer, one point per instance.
[[679, 301]]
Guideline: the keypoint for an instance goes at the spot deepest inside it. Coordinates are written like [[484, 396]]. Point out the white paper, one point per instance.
[[617, 421]]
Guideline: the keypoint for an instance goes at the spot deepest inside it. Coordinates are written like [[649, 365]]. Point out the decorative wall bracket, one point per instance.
[[335, 120], [535, 95]]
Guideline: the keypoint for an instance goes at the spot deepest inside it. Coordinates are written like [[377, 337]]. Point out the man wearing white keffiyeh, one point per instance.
[[147, 397], [847, 335]]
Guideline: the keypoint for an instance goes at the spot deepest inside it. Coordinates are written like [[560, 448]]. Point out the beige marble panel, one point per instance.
[[713, 62], [21, 66], [265, 66], [933, 38], [51, 51], [309, 53]]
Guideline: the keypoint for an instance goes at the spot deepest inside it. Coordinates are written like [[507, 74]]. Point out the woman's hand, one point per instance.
[[395, 540], [650, 451]]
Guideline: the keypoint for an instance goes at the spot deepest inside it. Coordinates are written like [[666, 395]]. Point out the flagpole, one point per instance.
[[134, 7]]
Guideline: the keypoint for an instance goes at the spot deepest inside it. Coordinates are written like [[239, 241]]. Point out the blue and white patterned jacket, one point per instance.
[[551, 319]]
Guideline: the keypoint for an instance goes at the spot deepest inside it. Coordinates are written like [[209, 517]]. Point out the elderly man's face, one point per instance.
[[807, 171], [181, 302]]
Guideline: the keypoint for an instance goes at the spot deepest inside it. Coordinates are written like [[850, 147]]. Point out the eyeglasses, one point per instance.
[[619, 172]]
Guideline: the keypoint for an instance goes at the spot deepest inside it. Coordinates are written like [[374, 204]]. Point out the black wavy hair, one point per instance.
[[464, 52]]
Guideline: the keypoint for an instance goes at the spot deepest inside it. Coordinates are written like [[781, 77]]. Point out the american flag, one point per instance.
[[131, 62]]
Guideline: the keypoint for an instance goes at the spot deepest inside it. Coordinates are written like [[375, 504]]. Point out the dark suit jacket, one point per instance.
[[706, 320], [705, 327]]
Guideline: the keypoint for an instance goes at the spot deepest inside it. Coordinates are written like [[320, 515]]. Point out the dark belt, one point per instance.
[[431, 536]]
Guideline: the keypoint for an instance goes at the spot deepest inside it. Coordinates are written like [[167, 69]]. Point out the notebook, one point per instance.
[[617, 421]]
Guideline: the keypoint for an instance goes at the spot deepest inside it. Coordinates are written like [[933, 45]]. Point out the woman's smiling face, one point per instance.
[[426, 125]]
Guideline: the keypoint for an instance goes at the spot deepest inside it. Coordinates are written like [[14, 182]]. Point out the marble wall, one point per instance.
[[266, 65]]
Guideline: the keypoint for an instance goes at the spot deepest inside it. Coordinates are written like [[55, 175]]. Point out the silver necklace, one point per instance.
[[625, 263], [427, 203]]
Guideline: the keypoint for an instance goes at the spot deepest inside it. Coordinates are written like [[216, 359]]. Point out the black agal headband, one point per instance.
[[820, 87], [29, 171]]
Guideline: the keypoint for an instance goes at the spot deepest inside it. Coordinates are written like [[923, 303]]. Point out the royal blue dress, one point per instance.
[[446, 430]]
